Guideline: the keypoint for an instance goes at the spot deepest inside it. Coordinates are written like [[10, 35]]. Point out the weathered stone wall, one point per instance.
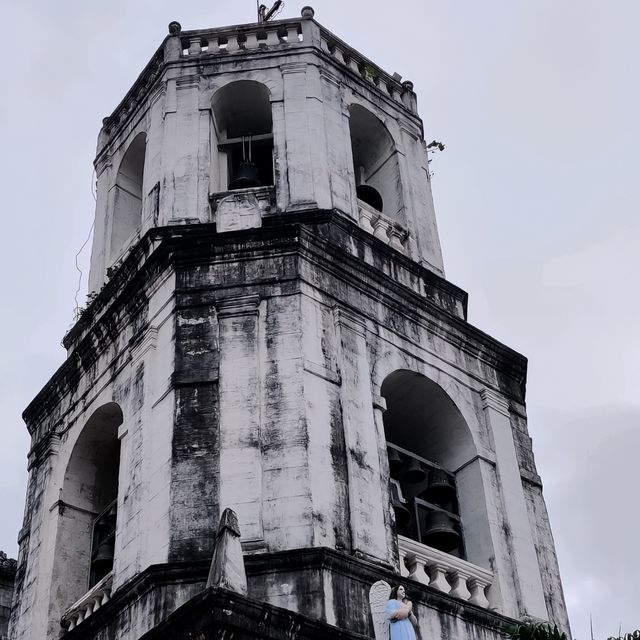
[[257, 386], [7, 580]]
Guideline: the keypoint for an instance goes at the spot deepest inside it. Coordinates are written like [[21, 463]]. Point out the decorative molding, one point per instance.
[[102, 163], [348, 320], [237, 306], [322, 372], [325, 74], [293, 67], [493, 400], [379, 402], [47, 446], [61, 505], [485, 456], [145, 343], [187, 82], [160, 92]]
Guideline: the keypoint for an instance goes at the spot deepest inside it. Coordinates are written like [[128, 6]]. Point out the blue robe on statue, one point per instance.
[[399, 629]]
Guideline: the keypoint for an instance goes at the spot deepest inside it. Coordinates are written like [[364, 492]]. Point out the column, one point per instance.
[[523, 552], [366, 500], [240, 438]]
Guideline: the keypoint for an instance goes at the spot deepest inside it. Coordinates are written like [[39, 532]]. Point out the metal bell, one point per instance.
[[415, 472], [246, 177], [102, 561], [403, 515], [371, 196], [441, 489], [439, 532], [395, 462]]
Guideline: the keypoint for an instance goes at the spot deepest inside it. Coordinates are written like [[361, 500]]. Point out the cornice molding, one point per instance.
[[237, 306], [493, 400]]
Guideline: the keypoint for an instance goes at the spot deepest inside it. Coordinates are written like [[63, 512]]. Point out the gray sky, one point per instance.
[[537, 196]]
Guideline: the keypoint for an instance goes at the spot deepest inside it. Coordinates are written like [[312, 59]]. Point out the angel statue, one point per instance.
[[392, 613]]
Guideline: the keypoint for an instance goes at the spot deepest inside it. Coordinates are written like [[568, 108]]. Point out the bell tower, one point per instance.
[[271, 332]]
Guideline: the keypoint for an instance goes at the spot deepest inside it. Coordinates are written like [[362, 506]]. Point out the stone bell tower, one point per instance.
[[272, 332]]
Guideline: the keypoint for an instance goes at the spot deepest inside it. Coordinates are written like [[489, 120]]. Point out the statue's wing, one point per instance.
[[378, 598]]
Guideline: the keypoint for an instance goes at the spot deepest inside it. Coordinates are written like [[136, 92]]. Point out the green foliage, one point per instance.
[[535, 631]]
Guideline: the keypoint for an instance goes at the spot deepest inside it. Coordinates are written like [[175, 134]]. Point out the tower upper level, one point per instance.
[[232, 125]]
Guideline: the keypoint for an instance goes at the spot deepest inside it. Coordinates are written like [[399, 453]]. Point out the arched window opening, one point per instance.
[[127, 208], [427, 439], [375, 162], [242, 114], [86, 532]]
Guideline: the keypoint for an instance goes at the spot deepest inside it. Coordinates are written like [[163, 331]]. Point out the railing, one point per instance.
[[307, 32], [245, 37], [255, 38], [444, 572], [382, 227], [90, 602]]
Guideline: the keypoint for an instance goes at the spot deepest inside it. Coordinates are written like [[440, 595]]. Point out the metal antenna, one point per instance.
[[264, 14]]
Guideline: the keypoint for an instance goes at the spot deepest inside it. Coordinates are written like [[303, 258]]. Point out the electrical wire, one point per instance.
[[84, 244]]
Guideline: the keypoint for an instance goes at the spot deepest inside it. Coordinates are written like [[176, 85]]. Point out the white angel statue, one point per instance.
[[392, 612]]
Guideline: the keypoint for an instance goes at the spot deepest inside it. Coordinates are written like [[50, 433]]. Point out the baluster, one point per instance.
[[438, 574], [214, 46], [106, 596], [404, 572], [251, 41], [338, 55], [292, 35], [365, 220], [232, 43], [194, 46], [324, 45], [72, 623], [354, 66], [380, 227], [272, 37], [417, 569], [459, 585], [478, 596], [395, 237]]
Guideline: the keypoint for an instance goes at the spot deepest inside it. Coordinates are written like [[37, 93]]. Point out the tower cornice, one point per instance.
[[320, 237]]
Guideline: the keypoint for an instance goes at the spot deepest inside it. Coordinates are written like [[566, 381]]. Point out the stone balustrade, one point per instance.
[[444, 572], [382, 227], [245, 38], [306, 32], [254, 38], [90, 602]]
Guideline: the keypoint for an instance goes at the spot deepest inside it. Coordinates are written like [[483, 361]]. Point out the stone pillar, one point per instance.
[[298, 158], [366, 500], [240, 438], [523, 555], [179, 183]]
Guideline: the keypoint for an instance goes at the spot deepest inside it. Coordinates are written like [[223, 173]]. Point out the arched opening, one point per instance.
[[375, 162], [127, 207], [427, 440], [242, 116], [88, 508]]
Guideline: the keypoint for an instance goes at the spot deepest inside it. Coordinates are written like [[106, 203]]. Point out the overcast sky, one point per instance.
[[537, 196]]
